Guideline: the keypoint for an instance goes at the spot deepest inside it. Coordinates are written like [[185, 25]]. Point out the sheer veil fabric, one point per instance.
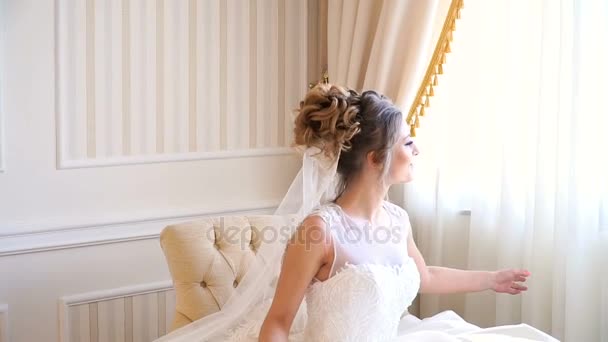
[[316, 183]]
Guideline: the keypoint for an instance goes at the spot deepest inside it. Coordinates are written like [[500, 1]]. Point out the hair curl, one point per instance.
[[335, 119], [327, 119]]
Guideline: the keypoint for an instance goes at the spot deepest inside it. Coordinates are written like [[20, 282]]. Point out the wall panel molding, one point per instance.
[[144, 81], [63, 237], [134, 313], [4, 323], [177, 157]]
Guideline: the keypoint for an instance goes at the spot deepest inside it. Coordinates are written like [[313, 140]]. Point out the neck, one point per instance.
[[363, 198]]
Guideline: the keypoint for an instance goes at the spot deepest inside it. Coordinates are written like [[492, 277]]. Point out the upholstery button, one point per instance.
[[203, 284], [234, 284]]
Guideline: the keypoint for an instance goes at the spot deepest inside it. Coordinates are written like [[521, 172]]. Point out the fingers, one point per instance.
[[510, 279], [520, 275], [516, 289], [519, 287]]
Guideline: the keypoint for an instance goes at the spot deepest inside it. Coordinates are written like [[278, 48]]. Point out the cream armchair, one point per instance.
[[207, 258]]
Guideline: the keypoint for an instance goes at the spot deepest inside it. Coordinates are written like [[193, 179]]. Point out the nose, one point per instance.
[[416, 151]]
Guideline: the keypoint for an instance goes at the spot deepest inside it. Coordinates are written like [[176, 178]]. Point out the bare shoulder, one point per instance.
[[312, 232]]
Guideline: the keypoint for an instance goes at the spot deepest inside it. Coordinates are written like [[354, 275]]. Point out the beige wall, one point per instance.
[[111, 134]]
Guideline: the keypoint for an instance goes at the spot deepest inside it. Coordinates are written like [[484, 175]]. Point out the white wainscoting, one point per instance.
[[3, 323], [130, 314], [54, 238], [143, 81]]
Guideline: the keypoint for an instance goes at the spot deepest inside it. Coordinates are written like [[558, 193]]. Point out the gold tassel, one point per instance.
[[410, 118], [435, 67], [412, 131]]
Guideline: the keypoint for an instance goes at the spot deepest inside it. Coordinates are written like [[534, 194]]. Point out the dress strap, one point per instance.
[[329, 215], [399, 216], [326, 214], [395, 210]]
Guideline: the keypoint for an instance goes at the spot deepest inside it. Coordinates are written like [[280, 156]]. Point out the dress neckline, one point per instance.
[[358, 221]]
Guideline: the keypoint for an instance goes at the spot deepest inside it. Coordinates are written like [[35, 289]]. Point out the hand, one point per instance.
[[506, 281]]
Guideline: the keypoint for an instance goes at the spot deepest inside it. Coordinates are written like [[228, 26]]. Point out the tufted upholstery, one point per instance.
[[207, 258]]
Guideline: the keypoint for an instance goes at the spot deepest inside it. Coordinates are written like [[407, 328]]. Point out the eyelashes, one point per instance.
[[409, 143]]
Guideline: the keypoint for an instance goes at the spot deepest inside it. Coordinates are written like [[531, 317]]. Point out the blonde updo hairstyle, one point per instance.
[[342, 122]]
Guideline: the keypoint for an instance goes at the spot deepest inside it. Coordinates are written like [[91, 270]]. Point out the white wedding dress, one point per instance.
[[371, 284]]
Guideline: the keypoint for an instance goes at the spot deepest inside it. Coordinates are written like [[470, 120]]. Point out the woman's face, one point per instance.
[[402, 167]]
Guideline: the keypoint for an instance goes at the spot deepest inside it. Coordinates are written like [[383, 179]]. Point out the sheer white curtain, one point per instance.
[[513, 170]]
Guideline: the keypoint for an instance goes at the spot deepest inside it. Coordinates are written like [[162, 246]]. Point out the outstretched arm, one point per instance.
[[440, 280]]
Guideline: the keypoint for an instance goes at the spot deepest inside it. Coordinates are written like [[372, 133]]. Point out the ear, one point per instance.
[[370, 159]]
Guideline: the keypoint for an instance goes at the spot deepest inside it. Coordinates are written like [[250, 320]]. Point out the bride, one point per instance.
[[351, 268]]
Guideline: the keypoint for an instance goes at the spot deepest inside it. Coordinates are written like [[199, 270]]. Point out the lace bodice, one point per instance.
[[361, 302], [372, 283]]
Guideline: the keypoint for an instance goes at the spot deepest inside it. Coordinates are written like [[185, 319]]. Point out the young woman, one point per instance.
[[350, 269], [353, 259]]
